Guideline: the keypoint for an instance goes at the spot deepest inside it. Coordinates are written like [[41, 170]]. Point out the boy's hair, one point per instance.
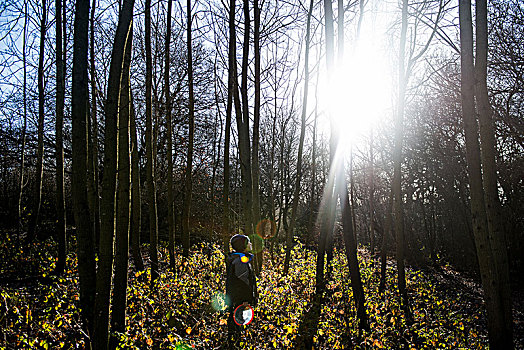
[[239, 242]]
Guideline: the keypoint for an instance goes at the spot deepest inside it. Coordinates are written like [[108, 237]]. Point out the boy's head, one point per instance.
[[240, 243]]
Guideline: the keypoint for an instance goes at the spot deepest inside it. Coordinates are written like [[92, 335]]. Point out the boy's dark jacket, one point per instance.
[[241, 284]]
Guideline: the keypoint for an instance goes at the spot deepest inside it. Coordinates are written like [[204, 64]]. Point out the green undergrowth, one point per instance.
[[186, 310]]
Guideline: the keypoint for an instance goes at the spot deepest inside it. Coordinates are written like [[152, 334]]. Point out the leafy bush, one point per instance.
[[186, 309]]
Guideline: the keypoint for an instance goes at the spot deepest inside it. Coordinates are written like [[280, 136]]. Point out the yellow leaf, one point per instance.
[[223, 322], [149, 341], [188, 330]]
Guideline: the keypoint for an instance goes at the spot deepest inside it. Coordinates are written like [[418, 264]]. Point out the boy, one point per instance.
[[241, 285]]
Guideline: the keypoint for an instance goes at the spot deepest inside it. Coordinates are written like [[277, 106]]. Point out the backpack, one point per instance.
[[240, 280]]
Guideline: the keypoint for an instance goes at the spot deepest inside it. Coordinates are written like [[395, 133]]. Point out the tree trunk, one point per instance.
[[60, 94], [328, 216], [150, 170], [107, 232], [216, 155], [255, 170], [490, 272], [243, 132], [136, 211], [397, 161], [37, 192], [497, 235], [24, 129], [189, 182], [296, 194], [118, 317], [351, 248], [84, 232], [167, 96], [95, 216], [385, 236], [314, 200], [371, 197], [352, 193], [231, 88]]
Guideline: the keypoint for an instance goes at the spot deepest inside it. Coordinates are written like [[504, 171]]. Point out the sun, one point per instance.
[[358, 95]]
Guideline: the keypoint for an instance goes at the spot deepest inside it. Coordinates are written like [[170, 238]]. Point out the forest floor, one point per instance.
[[186, 310]]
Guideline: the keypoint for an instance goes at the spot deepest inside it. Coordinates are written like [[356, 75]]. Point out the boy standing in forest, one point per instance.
[[241, 285]]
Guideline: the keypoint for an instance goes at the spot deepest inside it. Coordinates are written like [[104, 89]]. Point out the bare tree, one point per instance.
[[107, 205], [243, 131], [296, 193], [188, 184], [136, 212], [397, 160], [118, 317], [496, 227], [488, 249], [255, 166], [59, 125], [85, 239], [150, 163], [167, 96], [406, 63], [37, 192], [329, 205], [93, 149], [24, 127]]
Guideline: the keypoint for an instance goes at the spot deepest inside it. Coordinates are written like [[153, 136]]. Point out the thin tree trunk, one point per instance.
[[272, 170], [216, 154], [231, 88], [136, 211], [385, 235], [24, 129], [328, 216], [326, 230], [91, 191], [497, 235], [243, 132], [296, 194], [167, 96], [189, 182], [397, 160], [150, 170], [255, 169], [490, 272], [85, 241], [95, 216], [314, 198], [60, 94], [272, 173], [281, 216], [371, 196], [351, 249], [352, 193], [107, 232], [118, 316], [37, 192]]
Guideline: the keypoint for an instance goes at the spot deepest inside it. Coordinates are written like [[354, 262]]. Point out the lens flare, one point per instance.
[[243, 315], [257, 243], [219, 302], [266, 228]]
